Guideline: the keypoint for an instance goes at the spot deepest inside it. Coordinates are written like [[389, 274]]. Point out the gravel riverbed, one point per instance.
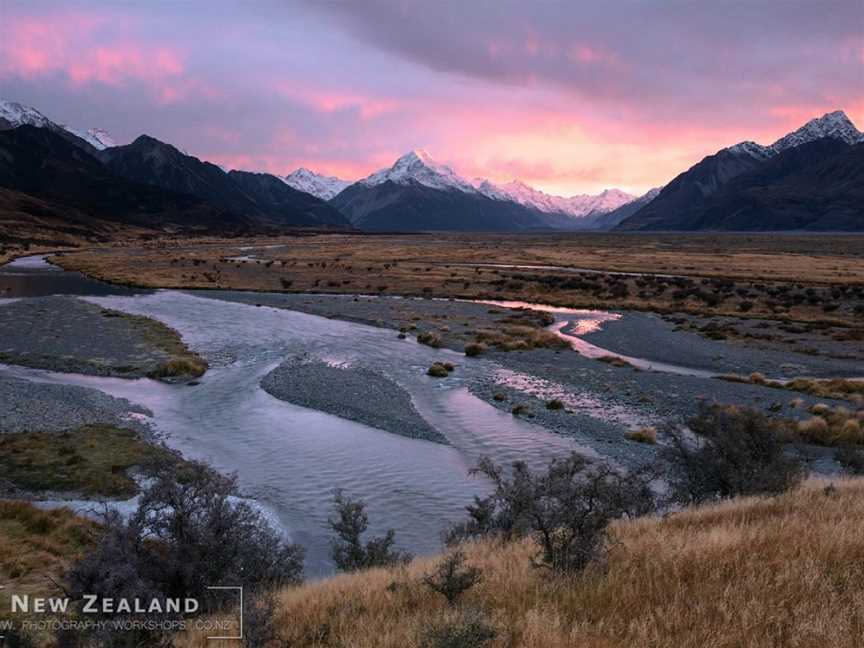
[[353, 393]]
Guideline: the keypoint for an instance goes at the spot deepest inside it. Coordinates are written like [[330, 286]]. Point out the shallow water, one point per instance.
[[34, 277], [580, 322], [291, 459]]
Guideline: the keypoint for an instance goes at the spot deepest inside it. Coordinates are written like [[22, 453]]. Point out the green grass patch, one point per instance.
[[92, 460], [181, 361]]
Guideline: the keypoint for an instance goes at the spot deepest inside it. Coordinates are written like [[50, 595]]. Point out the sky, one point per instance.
[[568, 96]]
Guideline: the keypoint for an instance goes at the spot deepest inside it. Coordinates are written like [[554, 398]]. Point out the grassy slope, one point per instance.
[[787, 571]]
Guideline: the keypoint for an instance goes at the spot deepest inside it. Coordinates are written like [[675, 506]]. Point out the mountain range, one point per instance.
[[784, 186], [808, 179]]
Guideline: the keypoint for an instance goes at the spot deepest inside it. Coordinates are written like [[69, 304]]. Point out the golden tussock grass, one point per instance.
[[643, 435], [831, 427], [35, 544], [750, 573], [835, 388]]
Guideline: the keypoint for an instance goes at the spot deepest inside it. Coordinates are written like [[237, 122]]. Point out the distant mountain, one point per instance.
[[577, 206], [283, 204], [688, 202], [13, 114], [40, 162], [418, 166], [818, 186], [420, 194], [611, 219], [261, 197], [320, 186]]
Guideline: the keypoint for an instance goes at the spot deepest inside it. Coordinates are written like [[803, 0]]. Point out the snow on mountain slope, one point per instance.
[[320, 186], [577, 206], [418, 166], [96, 137], [835, 125], [14, 114]]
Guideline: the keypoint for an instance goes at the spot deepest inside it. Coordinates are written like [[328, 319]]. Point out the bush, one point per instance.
[[643, 435], [437, 370], [466, 630], [451, 579], [348, 550], [566, 509], [734, 452], [475, 349], [519, 410], [852, 459], [188, 532], [555, 404], [429, 339]]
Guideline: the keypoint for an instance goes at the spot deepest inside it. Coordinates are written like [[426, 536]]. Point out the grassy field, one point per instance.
[[748, 573], [92, 460], [810, 278]]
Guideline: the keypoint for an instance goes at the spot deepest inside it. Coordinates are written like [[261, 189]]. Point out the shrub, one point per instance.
[[643, 435], [429, 339], [566, 509], [437, 370], [188, 532], [519, 410], [475, 349], [555, 404], [851, 458], [348, 550], [452, 579], [466, 630], [734, 452], [499, 397]]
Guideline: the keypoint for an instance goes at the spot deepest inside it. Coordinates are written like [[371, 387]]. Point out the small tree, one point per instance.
[[451, 579], [731, 451], [348, 550], [566, 509]]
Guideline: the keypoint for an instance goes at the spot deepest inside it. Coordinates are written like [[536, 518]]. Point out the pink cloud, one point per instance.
[[85, 49]]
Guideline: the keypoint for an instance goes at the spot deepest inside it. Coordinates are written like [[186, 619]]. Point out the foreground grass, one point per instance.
[[754, 572], [92, 460], [36, 545]]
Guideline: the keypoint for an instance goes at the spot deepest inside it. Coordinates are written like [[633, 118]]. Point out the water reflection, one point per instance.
[[34, 277]]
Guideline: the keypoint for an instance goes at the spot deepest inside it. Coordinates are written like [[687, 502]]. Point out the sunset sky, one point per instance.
[[568, 96]]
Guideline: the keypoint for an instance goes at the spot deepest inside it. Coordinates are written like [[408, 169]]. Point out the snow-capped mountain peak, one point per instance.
[[835, 125], [577, 206], [752, 149], [14, 114], [321, 186], [418, 166]]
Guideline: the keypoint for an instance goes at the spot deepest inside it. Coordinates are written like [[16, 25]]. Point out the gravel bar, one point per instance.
[[353, 393]]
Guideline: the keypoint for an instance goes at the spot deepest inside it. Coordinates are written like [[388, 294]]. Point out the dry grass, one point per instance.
[[643, 435], [35, 544], [446, 265], [615, 361], [751, 573], [835, 388], [831, 427], [517, 337]]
